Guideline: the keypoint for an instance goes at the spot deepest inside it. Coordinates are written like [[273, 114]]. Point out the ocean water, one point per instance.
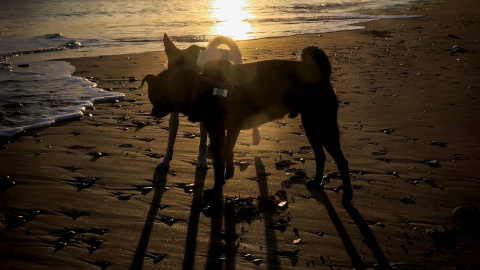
[[35, 91]]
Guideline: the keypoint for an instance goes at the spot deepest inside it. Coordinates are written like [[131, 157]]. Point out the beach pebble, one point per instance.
[[190, 188], [243, 165], [458, 49], [124, 197], [301, 160], [257, 261], [87, 180], [96, 154], [441, 144], [380, 224], [282, 206], [189, 135], [433, 163], [141, 124], [158, 257], [408, 199]]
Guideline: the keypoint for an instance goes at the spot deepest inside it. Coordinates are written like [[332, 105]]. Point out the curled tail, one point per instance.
[[220, 40], [214, 53], [316, 64]]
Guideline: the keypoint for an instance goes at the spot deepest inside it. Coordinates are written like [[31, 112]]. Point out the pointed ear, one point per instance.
[[169, 46]]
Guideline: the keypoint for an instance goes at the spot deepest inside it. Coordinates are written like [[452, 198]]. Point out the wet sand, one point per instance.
[[84, 194]]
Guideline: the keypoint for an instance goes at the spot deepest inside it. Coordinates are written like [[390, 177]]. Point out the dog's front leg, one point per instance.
[[232, 136], [172, 135], [216, 132]]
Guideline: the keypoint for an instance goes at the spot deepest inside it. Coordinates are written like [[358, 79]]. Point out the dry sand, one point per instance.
[[86, 193]]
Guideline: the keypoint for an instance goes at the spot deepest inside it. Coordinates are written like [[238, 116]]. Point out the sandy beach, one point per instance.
[[84, 194]]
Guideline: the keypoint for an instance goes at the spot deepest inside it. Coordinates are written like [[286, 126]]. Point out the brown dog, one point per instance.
[[260, 92]]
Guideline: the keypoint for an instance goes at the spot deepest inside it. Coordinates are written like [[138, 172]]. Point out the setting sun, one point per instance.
[[232, 19]]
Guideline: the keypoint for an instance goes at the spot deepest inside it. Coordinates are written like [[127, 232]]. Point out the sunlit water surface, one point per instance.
[[33, 31]]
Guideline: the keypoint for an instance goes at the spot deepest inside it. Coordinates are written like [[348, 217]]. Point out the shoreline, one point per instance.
[[85, 194], [13, 133]]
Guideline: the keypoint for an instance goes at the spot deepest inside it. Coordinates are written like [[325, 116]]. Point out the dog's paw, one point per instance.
[[314, 184], [229, 172]]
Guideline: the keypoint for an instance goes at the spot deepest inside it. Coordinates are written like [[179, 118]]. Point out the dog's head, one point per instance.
[[169, 90], [186, 58]]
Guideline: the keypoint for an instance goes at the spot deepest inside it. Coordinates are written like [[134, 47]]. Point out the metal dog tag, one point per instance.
[[220, 92]]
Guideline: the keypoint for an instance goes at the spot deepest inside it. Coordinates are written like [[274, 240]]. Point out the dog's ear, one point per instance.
[[191, 54], [149, 78], [169, 46], [174, 54]]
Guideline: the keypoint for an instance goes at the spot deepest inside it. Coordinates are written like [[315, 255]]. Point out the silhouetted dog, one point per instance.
[[260, 92], [195, 57]]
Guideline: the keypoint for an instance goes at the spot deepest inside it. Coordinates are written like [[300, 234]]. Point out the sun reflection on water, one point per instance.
[[232, 19]]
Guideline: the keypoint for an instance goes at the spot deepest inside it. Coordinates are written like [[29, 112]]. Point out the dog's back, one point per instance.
[[267, 90]]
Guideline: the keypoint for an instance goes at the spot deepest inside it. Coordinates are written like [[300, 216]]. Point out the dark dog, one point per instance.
[[260, 92]]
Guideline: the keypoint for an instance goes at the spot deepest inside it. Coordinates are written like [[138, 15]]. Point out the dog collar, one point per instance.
[[220, 92]]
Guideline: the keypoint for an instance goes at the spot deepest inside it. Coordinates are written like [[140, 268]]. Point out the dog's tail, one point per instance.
[[316, 64], [235, 53], [220, 40], [148, 78]]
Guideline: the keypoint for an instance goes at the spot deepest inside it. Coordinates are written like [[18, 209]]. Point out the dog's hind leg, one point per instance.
[[314, 135], [172, 135], [333, 147], [202, 163]]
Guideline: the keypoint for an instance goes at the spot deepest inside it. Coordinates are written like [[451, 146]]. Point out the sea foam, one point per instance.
[[38, 94]]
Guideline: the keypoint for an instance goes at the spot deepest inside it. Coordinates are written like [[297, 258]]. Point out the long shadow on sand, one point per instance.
[[222, 248], [273, 261], [370, 239], [193, 220], [159, 181]]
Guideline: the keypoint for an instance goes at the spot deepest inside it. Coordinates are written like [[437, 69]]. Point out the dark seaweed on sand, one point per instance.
[[83, 182], [102, 265], [73, 214], [78, 238], [299, 177], [15, 218], [6, 182], [250, 209]]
